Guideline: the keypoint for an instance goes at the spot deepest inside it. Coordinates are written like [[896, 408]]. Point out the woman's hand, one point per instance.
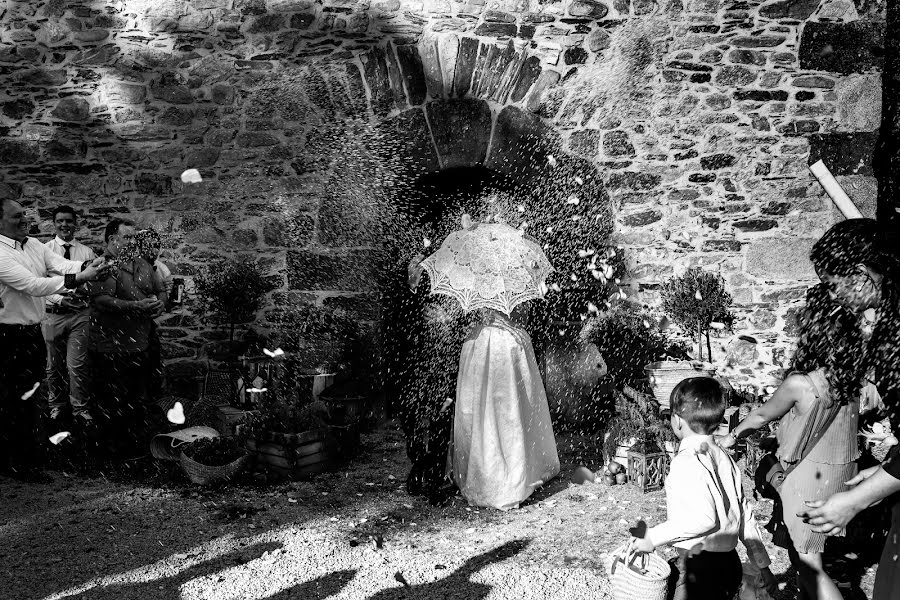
[[832, 515], [863, 475], [726, 441]]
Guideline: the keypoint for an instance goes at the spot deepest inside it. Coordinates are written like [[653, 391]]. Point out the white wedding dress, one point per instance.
[[503, 444]]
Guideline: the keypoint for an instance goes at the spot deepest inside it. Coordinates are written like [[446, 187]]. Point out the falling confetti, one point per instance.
[[572, 200], [698, 295], [191, 176], [551, 160], [426, 242], [31, 392], [56, 438], [716, 324], [176, 414], [273, 353]]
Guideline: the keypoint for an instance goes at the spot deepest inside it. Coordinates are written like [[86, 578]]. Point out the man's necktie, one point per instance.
[[67, 254]]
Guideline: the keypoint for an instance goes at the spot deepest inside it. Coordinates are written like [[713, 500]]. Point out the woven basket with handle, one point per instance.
[[205, 474], [665, 375], [635, 576]]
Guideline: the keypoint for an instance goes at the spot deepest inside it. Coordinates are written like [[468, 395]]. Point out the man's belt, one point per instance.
[[63, 310]]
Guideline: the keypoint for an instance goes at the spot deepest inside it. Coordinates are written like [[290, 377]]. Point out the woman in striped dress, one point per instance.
[[818, 407]]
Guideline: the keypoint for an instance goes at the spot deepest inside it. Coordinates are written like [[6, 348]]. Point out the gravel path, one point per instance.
[[354, 534]]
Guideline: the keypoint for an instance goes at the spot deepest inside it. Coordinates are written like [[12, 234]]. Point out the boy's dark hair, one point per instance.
[[700, 401], [112, 228], [65, 209]]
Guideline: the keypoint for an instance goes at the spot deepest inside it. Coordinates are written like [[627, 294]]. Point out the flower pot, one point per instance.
[[665, 375]]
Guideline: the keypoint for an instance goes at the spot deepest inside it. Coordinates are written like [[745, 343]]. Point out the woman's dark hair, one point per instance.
[[844, 246], [830, 339]]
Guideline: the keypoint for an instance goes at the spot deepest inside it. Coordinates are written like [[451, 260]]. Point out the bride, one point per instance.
[[503, 445]]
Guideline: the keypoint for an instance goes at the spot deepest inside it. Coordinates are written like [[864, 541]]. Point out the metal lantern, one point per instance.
[[647, 470]]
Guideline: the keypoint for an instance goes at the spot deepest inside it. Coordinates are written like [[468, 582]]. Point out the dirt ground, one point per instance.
[[140, 530]]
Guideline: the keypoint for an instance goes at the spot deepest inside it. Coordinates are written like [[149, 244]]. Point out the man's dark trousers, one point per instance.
[[23, 358]]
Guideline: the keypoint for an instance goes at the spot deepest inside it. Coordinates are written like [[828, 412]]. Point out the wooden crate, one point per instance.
[[228, 418], [298, 456]]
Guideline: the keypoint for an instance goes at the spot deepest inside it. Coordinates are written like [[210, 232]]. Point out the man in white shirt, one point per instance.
[[29, 272], [65, 330]]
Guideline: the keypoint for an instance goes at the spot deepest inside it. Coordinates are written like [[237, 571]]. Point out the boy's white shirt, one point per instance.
[[706, 504]]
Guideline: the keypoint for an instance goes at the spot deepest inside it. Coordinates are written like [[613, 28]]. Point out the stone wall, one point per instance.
[[685, 127]]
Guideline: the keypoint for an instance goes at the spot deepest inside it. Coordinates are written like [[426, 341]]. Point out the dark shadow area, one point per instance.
[[458, 584], [318, 588], [169, 587]]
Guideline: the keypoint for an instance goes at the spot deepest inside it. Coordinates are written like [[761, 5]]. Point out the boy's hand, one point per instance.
[[643, 545], [769, 581]]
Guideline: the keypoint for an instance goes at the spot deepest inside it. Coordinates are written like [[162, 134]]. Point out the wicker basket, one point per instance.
[[205, 475], [665, 375], [637, 577]]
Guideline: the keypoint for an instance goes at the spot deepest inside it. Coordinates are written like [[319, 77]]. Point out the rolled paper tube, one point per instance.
[[835, 191]]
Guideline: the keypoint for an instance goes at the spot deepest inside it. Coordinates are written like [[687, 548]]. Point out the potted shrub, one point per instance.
[[233, 291], [210, 460], [296, 441], [697, 301]]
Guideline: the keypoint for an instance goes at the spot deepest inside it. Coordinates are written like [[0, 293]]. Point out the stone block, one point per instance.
[[844, 153], [585, 142], [528, 74], [758, 41], [735, 75], [255, 139], [754, 225], [633, 180], [201, 157], [780, 259], [175, 94], [349, 272], [747, 57], [521, 143], [717, 161], [642, 218], [153, 184], [121, 92], [842, 47], [598, 40], [863, 190], [789, 9], [413, 73], [617, 143], [498, 30], [588, 9], [18, 152], [376, 74], [546, 80], [859, 103], [461, 130], [466, 58], [17, 109], [42, 77]]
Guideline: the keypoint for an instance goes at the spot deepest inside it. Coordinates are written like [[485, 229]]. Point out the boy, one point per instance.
[[707, 509]]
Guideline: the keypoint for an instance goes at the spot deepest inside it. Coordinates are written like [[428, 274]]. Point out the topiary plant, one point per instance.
[[233, 289], [696, 301]]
